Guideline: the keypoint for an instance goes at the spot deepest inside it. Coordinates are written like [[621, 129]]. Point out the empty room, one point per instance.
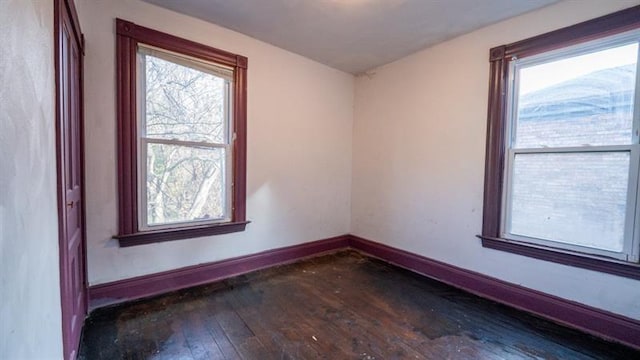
[[320, 179]]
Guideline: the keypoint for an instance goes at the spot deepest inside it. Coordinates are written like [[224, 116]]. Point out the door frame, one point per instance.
[[68, 7]]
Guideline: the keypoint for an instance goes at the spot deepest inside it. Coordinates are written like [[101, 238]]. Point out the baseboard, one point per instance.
[[591, 320], [163, 282]]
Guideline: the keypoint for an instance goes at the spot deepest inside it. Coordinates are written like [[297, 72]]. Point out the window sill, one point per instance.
[[614, 267], [150, 237]]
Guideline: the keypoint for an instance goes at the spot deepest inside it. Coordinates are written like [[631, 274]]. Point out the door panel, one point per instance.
[[70, 175]]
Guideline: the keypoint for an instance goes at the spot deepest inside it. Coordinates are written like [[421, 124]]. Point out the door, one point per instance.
[[70, 175]]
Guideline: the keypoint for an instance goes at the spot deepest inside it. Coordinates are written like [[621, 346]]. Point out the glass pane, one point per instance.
[[573, 198], [183, 103], [577, 101], [184, 183]]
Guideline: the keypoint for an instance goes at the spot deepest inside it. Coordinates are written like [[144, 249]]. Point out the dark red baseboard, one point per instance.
[[585, 318], [163, 282]]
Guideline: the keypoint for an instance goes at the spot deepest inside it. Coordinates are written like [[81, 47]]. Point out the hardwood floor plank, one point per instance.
[[233, 325], [224, 344], [361, 314], [242, 338], [296, 313], [202, 345], [268, 325]]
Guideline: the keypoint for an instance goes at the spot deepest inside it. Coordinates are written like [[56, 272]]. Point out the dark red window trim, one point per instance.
[[127, 39], [499, 57]]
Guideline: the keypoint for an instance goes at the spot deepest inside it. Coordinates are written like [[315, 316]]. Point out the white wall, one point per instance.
[[300, 118], [418, 153], [30, 317], [419, 143]]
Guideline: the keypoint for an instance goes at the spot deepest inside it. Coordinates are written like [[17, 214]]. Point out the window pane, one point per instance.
[[574, 198], [183, 103], [184, 183], [576, 101]]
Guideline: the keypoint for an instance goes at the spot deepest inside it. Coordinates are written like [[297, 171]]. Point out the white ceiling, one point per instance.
[[353, 35]]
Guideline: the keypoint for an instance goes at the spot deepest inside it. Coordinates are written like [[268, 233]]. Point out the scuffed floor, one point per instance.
[[339, 306]]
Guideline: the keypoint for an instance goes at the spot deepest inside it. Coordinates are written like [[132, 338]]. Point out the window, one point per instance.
[[563, 146], [181, 137]]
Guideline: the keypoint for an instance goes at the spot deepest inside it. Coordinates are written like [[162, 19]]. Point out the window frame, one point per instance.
[[130, 233], [629, 253], [498, 121]]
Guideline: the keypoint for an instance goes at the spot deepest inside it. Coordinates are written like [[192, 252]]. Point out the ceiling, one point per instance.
[[353, 35]]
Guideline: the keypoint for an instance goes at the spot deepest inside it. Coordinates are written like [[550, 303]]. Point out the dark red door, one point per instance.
[[70, 175]]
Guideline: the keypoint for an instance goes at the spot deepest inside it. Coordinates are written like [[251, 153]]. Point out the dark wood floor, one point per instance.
[[340, 306]]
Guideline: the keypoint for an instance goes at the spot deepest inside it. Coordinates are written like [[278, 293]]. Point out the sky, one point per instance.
[[539, 76]]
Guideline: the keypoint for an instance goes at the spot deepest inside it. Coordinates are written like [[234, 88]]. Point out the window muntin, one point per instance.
[[184, 142], [571, 167]]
